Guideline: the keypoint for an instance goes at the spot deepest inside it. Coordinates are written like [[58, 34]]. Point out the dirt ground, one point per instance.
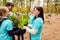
[[51, 29]]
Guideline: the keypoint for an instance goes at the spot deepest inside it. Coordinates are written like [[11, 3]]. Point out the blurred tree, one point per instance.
[[52, 6], [31, 2], [47, 6], [56, 1], [4, 2]]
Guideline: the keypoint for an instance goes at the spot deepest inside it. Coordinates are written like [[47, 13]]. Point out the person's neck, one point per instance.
[[36, 16]]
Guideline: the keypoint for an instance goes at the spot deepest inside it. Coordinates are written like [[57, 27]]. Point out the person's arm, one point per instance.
[[16, 32], [32, 31], [13, 32], [35, 27], [30, 25], [9, 27]]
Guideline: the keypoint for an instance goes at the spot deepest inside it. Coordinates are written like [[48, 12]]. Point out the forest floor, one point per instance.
[[51, 29]]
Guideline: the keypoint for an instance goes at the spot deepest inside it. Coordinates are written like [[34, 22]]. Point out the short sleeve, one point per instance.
[[9, 26], [38, 24]]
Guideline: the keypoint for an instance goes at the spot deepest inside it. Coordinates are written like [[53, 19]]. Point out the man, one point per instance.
[[10, 6], [16, 31]]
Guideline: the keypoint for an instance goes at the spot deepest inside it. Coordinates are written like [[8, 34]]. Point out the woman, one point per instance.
[[6, 27], [5, 24], [36, 24]]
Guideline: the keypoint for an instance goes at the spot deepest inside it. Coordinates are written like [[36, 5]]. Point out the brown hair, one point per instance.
[[40, 9], [9, 4], [2, 10]]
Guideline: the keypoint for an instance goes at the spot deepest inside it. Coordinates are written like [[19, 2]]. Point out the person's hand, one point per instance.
[[29, 25], [22, 28]]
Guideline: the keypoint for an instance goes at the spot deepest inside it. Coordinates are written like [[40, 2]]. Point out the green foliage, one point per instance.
[[23, 20], [4, 2], [15, 9], [31, 0], [21, 9], [26, 10], [20, 21], [13, 18]]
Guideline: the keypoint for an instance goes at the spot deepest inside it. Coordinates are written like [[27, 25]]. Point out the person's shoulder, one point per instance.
[[8, 21], [39, 20]]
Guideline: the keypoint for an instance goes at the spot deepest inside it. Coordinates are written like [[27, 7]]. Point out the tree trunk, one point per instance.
[[4, 2], [47, 6]]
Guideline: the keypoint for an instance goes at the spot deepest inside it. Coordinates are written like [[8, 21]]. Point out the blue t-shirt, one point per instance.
[[5, 26], [38, 25], [31, 15]]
